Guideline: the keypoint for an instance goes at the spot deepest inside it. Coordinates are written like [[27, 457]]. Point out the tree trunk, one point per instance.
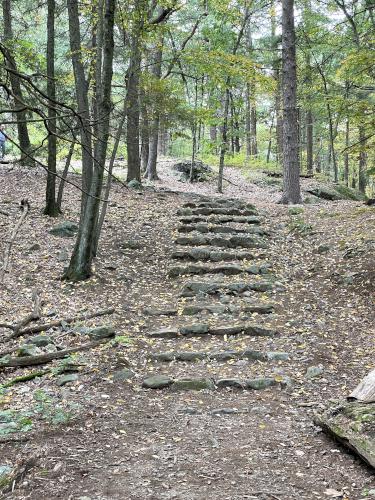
[[362, 180], [51, 208], [309, 142], [65, 174], [291, 187], [21, 117], [346, 156], [151, 172], [248, 123], [144, 132], [132, 109], [84, 250], [253, 128], [224, 140]]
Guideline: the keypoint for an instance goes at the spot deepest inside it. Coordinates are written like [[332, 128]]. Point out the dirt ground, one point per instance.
[[117, 440]]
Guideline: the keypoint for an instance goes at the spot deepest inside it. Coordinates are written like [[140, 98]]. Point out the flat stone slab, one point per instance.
[[211, 255], [206, 383], [221, 219], [194, 309], [157, 382], [226, 269], [193, 384], [160, 312], [353, 424], [220, 203], [260, 308], [238, 241], [218, 229], [193, 288], [245, 212], [201, 329], [168, 357]]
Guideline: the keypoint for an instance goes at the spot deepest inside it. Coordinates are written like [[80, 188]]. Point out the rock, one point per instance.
[[28, 350], [193, 384], [223, 211], [254, 355], [101, 332], [190, 356], [67, 379], [278, 356], [5, 475], [40, 340], [157, 382], [323, 249], [247, 242], [199, 172], [259, 331], [160, 312], [194, 219], [50, 348], [34, 247], [132, 245], [225, 411], [122, 375], [198, 329], [64, 229], [226, 330], [192, 310], [135, 184], [260, 383], [164, 333], [224, 355], [230, 382], [192, 288], [256, 269], [314, 371], [63, 255], [259, 308]]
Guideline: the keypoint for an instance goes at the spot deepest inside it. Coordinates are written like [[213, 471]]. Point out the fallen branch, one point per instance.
[[34, 315], [47, 358], [25, 207], [58, 322], [25, 378]]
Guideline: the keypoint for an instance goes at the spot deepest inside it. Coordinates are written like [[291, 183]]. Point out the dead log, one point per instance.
[[47, 358], [25, 208], [58, 322], [365, 391]]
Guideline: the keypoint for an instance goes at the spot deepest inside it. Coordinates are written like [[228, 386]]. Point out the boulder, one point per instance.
[[40, 340], [64, 229], [198, 172], [101, 332], [230, 382], [135, 184], [165, 333], [67, 379], [157, 382], [260, 383], [198, 329], [193, 384], [123, 375]]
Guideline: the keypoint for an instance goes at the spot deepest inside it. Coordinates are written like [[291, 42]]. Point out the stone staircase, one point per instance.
[[220, 333]]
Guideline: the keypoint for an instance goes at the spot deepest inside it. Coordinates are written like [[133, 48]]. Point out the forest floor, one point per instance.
[[103, 436]]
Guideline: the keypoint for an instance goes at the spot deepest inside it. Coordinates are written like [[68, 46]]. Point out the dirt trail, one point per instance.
[[129, 442]]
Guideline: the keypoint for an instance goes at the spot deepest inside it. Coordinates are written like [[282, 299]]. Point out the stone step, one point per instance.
[[260, 308], [168, 357], [220, 203], [150, 311], [200, 383], [226, 269], [218, 229], [217, 211], [219, 241], [211, 254], [220, 219], [192, 288], [202, 329]]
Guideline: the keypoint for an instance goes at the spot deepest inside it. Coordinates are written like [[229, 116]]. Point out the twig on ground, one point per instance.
[[25, 208]]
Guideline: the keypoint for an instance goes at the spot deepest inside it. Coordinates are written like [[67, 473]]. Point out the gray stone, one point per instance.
[[5, 475], [101, 332], [63, 255], [278, 356], [165, 357], [227, 330], [259, 331], [28, 350], [254, 355], [192, 288], [157, 382], [314, 371], [230, 382], [323, 249], [192, 310], [225, 411], [259, 383], [198, 329], [122, 375], [193, 384], [40, 340], [64, 229], [67, 379], [165, 333], [190, 356], [262, 269], [224, 355], [34, 247], [259, 308], [134, 184], [132, 245], [246, 242]]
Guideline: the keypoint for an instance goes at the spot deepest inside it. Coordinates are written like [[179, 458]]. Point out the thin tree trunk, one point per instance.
[[269, 149], [144, 132], [248, 123], [362, 181], [224, 140], [151, 172], [291, 187], [52, 207], [309, 142], [84, 250], [21, 117], [65, 174], [253, 128], [346, 156]]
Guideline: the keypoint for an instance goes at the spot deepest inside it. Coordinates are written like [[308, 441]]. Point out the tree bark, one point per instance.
[[84, 250], [224, 140], [309, 142], [346, 156], [52, 207], [362, 180], [23, 134], [151, 171], [291, 187]]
